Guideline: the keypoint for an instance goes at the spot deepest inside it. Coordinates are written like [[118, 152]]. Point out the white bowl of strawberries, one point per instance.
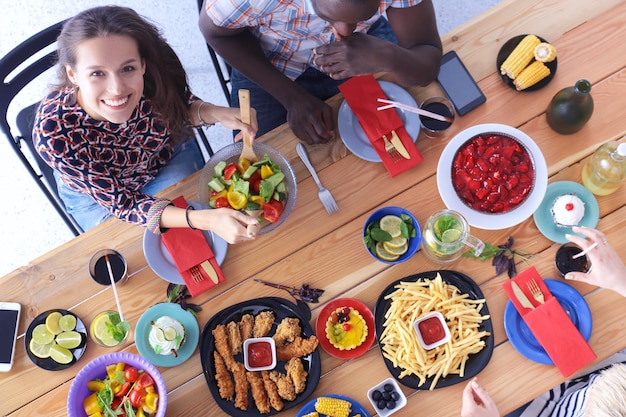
[[493, 174]]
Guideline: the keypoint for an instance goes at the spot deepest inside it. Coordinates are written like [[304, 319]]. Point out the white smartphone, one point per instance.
[[9, 322]]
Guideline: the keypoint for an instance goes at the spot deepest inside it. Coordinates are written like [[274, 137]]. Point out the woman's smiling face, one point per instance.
[[109, 76]]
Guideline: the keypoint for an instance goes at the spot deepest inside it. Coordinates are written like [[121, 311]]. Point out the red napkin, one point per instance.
[[362, 93], [189, 249], [551, 326]]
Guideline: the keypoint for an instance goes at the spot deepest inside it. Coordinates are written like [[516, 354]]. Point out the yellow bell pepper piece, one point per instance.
[[95, 386], [266, 171], [236, 199], [90, 404], [140, 413], [243, 165], [151, 401], [96, 415], [257, 199]]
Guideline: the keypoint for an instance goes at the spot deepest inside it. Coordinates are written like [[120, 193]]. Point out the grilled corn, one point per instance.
[[545, 52], [520, 57], [333, 407], [531, 75]]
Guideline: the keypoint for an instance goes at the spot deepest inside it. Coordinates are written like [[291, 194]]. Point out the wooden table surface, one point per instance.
[[327, 251]]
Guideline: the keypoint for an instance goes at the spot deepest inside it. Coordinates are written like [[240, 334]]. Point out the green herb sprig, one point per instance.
[[502, 256], [178, 293], [117, 328]]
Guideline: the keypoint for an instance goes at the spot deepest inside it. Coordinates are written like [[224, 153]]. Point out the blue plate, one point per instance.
[[356, 407], [160, 260], [192, 334], [522, 338], [543, 216]]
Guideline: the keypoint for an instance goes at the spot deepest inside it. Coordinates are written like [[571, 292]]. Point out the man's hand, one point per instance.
[[351, 56], [311, 119]]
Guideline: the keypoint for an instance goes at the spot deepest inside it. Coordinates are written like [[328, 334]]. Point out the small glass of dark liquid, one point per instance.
[[100, 272], [433, 128], [565, 262]]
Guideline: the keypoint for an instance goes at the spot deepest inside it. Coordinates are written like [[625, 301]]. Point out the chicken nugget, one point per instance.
[[286, 390], [295, 370], [259, 395], [272, 391], [234, 337], [287, 331], [299, 347], [246, 325], [221, 344], [225, 383], [263, 323], [241, 386]]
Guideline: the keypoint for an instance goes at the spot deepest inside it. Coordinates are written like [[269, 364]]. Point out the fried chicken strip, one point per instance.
[[286, 390], [222, 376], [272, 391], [234, 337], [263, 323], [241, 386], [246, 326], [221, 344], [287, 331], [295, 371], [259, 395], [299, 347]]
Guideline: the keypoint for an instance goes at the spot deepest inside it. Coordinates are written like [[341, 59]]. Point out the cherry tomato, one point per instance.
[[131, 374], [255, 181], [221, 202], [229, 171], [143, 381], [135, 397], [123, 390], [270, 212], [278, 204]]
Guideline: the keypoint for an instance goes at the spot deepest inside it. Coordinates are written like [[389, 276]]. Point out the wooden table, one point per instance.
[[327, 252]]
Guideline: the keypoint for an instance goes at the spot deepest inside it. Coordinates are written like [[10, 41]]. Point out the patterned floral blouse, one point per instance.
[[108, 161]]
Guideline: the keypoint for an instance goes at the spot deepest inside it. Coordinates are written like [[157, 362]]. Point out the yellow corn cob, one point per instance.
[[333, 407], [545, 52], [520, 57], [531, 75], [313, 414]]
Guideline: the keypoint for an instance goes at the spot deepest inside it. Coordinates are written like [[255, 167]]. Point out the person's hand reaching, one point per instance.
[[607, 269], [477, 402]]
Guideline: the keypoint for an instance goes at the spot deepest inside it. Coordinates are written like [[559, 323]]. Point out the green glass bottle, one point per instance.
[[570, 108]]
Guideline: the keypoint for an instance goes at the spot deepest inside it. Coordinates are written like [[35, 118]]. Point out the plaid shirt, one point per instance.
[[110, 162], [289, 30]]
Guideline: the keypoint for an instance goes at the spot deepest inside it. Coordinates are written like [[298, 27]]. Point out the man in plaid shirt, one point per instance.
[[293, 54]]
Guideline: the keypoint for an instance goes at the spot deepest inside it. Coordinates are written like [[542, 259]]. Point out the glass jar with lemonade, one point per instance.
[[445, 234], [108, 330]]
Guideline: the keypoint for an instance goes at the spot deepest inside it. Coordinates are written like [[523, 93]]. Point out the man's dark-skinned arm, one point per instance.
[[310, 118]]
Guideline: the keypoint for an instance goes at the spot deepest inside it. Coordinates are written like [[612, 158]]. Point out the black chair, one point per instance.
[[22, 140]]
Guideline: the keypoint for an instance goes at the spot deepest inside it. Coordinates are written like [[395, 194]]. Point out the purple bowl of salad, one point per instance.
[[265, 189]]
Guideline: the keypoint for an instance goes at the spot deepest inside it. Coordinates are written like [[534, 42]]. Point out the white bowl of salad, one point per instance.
[[266, 188]]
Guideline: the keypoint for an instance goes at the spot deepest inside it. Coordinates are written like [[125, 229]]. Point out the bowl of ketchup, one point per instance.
[[432, 330], [259, 353]]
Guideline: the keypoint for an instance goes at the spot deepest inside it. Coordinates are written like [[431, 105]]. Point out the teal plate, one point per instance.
[[543, 217], [192, 334]]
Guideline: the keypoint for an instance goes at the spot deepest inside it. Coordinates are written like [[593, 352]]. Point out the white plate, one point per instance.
[[161, 262], [352, 134], [486, 220]]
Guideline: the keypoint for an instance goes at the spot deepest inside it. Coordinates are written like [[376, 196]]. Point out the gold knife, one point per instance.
[[521, 296], [208, 268], [397, 143]]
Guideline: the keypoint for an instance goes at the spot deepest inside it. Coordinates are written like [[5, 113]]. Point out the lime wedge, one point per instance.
[[61, 355], [52, 322], [451, 236], [170, 333], [391, 224], [69, 340], [41, 335], [41, 351], [67, 322]]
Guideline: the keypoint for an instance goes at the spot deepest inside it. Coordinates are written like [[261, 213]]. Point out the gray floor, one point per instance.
[[29, 226]]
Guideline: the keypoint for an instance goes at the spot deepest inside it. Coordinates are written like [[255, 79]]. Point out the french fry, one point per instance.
[[411, 300]]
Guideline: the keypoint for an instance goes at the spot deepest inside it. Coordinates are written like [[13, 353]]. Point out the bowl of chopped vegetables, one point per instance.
[[265, 189], [118, 382], [391, 235]]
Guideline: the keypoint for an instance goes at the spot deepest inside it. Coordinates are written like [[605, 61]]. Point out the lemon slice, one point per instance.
[[41, 351], [382, 253], [52, 322], [391, 224], [69, 340], [451, 236], [61, 355], [396, 251], [41, 335], [101, 332], [397, 242], [67, 322]]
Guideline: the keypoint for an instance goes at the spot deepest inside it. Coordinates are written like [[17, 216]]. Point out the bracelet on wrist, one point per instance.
[[187, 217], [200, 119]]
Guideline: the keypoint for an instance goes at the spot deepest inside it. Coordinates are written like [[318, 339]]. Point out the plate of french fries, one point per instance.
[[461, 302], [527, 62]]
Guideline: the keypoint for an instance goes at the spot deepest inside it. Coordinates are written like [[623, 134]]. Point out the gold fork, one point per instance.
[[534, 289], [391, 150], [196, 275]]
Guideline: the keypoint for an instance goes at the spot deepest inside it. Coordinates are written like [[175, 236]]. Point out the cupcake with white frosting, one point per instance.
[[567, 210]]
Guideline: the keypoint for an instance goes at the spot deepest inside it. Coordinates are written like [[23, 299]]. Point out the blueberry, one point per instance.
[[381, 404], [391, 404], [376, 395], [395, 396], [388, 387], [386, 396]]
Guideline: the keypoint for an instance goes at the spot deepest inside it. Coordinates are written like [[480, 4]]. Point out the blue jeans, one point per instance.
[[187, 160], [270, 113]]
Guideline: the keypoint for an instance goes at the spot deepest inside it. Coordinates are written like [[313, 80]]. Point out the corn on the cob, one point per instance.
[[333, 407], [545, 52], [520, 57], [312, 414], [531, 75]]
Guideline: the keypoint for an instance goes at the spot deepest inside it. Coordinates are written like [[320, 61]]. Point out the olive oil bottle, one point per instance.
[[604, 172]]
